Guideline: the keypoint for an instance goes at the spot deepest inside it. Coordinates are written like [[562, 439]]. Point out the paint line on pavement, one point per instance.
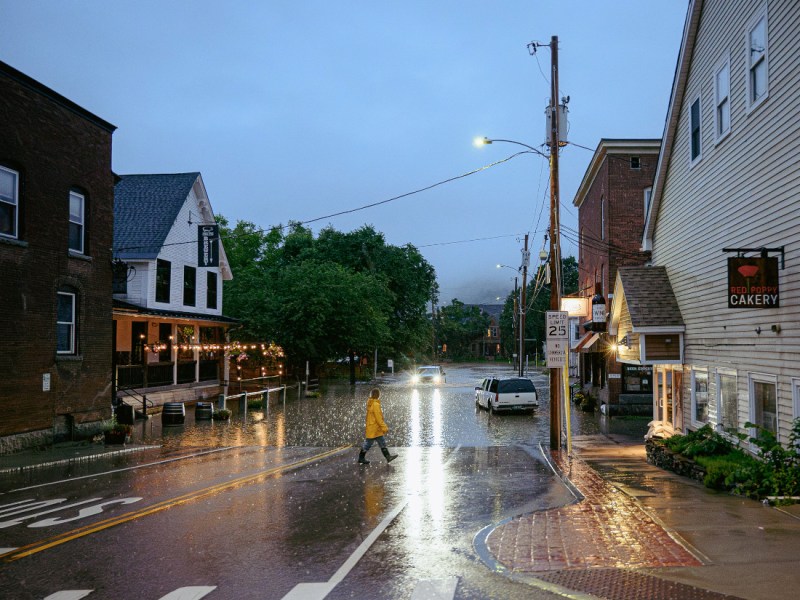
[[435, 589], [68, 536], [152, 464], [319, 590], [69, 595], [193, 592]]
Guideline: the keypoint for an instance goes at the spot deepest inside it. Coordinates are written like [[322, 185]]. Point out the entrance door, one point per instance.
[[663, 407]]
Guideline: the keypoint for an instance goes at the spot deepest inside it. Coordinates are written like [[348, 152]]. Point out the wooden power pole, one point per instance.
[[555, 243]]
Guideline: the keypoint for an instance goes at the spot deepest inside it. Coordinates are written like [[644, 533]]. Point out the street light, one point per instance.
[[484, 141]]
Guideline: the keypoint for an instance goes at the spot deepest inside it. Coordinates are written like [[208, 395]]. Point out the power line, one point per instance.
[[352, 210]]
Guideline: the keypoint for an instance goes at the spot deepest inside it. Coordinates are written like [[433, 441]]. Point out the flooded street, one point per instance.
[[272, 503], [423, 415]]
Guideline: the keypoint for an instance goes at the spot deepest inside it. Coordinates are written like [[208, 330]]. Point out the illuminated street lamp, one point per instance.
[[484, 141]]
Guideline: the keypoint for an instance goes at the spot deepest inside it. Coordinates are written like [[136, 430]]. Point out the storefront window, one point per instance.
[[637, 379], [765, 403], [728, 402], [700, 395]]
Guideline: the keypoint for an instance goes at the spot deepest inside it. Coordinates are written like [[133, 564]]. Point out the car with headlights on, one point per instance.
[[506, 394], [429, 374]]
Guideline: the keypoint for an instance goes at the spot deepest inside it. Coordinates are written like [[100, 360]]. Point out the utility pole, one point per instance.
[[515, 322], [433, 331], [555, 243], [525, 260]]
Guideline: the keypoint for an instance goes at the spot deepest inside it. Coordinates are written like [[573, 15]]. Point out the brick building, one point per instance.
[[56, 223], [612, 203]]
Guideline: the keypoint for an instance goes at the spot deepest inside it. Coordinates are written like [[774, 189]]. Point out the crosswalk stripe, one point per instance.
[[69, 595], [435, 589], [194, 592]]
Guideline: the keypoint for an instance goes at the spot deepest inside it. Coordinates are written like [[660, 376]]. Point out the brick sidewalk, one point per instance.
[[607, 529]]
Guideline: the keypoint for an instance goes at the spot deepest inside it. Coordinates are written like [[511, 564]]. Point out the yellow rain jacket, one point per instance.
[[375, 424]]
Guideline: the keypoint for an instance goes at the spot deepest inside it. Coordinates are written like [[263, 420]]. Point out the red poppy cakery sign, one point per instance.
[[753, 282]]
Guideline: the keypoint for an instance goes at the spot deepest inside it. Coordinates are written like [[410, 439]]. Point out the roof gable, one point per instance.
[[648, 294], [145, 208]]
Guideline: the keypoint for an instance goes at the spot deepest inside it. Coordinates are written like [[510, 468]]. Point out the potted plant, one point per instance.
[[115, 432], [222, 414]]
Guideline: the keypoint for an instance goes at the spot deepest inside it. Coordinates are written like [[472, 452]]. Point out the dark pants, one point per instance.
[[369, 441]]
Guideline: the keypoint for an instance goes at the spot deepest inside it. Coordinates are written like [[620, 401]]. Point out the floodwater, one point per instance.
[[443, 415]]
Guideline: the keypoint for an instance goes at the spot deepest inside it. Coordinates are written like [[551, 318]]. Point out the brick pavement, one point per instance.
[[606, 529]]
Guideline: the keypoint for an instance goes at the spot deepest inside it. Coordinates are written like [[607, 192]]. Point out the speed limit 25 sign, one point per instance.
[[557, 332], [557, 325]]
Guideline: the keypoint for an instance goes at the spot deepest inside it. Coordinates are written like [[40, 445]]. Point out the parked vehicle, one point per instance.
[[506, 394], [431, 374]]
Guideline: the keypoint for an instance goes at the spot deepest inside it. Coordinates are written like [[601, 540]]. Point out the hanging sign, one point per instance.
[[753, 282], [576, 307], [207, 246]]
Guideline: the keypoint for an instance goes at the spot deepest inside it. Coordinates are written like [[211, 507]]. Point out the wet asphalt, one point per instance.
[[272, 503]]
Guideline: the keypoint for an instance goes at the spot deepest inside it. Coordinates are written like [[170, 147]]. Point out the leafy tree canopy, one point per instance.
[[459, 325], [320, 298]]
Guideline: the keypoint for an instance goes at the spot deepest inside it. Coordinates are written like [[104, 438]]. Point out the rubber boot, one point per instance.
[[362, 460], [389, 457]]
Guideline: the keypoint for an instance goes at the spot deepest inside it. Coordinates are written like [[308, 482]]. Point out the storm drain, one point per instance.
[[620, 584]]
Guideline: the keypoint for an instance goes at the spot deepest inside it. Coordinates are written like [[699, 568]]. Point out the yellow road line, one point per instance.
[[74, 534]]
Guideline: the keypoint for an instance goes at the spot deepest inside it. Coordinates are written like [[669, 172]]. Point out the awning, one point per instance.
[[586, 342]]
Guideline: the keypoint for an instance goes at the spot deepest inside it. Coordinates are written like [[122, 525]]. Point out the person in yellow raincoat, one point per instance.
[[376, 428]]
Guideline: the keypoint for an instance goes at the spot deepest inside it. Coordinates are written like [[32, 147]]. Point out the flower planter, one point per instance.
[[115, 437]]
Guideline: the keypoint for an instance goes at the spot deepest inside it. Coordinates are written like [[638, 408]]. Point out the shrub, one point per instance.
[[703, 442]]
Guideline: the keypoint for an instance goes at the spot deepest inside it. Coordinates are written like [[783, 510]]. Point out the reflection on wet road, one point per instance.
[[254, 519]]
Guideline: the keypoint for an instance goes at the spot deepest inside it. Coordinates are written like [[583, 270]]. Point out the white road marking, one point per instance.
[[152, 464], [17, 521], [319, 590], [194, 592], [6, 550], [435, 589], [69, 595]]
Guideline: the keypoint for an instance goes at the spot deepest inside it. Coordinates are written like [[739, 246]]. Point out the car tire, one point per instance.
[[491, 408]]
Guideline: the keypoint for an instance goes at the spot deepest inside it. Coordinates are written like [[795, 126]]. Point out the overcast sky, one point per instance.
[[296, 110]]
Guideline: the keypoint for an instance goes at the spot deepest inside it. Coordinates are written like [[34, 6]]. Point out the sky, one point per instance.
[[296, 110]]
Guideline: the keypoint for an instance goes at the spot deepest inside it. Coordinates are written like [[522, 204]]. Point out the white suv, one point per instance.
[[506, 393]]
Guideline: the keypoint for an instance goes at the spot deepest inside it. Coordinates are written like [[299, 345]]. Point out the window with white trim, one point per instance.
[[722, 103], [757, 60], [764, 401], [648, 194], [727, 401], [695, 150], [699, 396], [77, 204], [65, 323], [9, 202]]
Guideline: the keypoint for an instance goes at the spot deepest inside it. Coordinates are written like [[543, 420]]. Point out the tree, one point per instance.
[[323, 298], [459, 325]]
